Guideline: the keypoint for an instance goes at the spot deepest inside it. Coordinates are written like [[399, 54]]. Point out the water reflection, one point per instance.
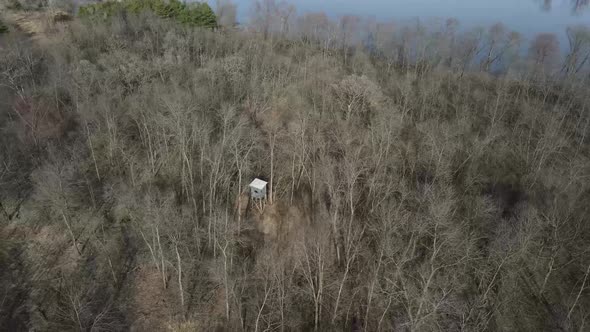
[[577, 5]]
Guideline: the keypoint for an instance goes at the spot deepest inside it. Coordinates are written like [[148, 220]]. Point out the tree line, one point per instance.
[[429, 43]]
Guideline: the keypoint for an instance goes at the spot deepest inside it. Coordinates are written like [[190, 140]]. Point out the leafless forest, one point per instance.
[[422, 177]]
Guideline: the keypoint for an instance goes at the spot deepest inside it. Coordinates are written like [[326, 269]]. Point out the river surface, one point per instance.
[[529, 17]]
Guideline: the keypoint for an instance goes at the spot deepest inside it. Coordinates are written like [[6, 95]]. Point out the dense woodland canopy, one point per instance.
[[422, 178]]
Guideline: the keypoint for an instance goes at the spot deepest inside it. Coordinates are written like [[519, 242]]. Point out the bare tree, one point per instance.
[[270, 16], [579, 49], [544, 49], [496, 45], [348, 26], [264, 16], [286, 12], [317, 28], [313, 260], [226, 12], [385, 42], [468, 48], [450, 33]]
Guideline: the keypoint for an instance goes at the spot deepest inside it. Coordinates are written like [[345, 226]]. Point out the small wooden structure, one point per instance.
[[258, 192], [258, 189]]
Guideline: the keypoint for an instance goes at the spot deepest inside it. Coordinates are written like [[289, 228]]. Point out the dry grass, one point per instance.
[[152, 305], [40, 26]]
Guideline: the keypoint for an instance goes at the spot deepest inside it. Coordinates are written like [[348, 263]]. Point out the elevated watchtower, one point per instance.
[[258, 193], [258, 189]]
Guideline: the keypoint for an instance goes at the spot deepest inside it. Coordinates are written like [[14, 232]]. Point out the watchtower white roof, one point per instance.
[[258, 184]]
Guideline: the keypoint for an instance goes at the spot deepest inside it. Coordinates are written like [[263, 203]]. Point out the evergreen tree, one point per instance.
[[195, 14]]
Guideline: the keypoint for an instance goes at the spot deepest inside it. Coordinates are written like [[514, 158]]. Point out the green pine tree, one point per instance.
[[207, 17], [195, 14]]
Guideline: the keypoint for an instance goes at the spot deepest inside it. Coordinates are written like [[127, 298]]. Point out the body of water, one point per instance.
[[528, 17]]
